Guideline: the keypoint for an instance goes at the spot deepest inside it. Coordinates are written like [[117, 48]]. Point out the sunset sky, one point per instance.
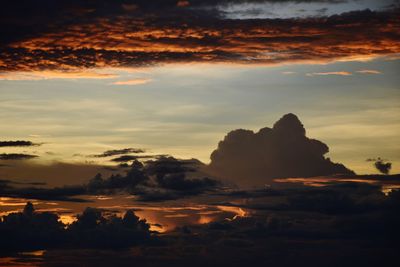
[[173, 77], [199, 133]]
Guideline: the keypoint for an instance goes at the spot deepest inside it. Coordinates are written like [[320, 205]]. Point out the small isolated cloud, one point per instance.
[[382, 165], [369, 72], [132, 82], [337, 73], [288, 72]]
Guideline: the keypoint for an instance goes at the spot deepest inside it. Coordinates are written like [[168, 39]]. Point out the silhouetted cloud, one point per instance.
[[250, 158], [382, 165], [29, 230], [16, 156], [116, 152], [343, 224], [127, 158], [159, 179], [17, 143]]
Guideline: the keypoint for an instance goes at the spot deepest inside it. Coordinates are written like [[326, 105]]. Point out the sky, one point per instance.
[[174, 77], [199, 132]]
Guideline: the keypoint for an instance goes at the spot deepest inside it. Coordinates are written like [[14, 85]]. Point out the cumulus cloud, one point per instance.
[[250, 158], [30, 230], [163, 178]]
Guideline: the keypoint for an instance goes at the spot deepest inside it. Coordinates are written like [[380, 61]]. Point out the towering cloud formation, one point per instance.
[[249, 158]]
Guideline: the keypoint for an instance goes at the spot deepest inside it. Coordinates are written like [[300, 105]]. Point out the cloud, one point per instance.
[[127, 158], [17, 143], [163, 33], [116, 152], [337, 73], [163, 178], [382, 165], [249, 158], [369, 72], [54, 174], [16, 156], [30, 230], [132, 82], [310, 222]]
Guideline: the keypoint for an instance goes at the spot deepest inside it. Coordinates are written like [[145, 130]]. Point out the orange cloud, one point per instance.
[[339, 73], [132, 82], [45, 75], [134, 40], [369, 72]]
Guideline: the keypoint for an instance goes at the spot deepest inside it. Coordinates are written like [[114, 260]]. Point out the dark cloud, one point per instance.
[[158, 36], [116, 152], [344, 224], [21, 183], [382, 166], [16, 156], [164, 178], [66, 193], [127, 158], [17, 143], [54, 174], [249, 158], [29, 230]]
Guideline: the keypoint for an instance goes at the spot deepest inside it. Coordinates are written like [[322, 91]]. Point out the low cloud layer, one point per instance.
[[249, 158], [311, 223]]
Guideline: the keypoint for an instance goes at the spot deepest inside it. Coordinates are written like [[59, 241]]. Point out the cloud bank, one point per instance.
[[69, 35]]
